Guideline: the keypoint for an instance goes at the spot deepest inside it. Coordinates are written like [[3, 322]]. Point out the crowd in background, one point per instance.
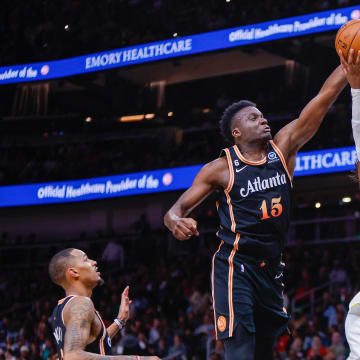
[[88, 26], [171, 311]]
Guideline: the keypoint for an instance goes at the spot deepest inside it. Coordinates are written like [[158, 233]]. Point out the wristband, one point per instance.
[[120, 323]]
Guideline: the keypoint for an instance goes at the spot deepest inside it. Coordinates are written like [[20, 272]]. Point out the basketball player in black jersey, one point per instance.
[[78, 329], [254, 180]]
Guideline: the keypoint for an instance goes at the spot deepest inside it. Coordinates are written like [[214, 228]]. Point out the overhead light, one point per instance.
[[129, 118], [206, 110], [88, 119], [318, 205], [175, 34], [149, 116], [227, 1], [170, 114], [67, 27], [346, 199]]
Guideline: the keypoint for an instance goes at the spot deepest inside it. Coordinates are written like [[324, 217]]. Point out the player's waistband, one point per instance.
[[242, 256]]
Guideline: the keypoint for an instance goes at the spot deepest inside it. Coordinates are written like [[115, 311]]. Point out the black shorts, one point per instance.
[[247, 290]]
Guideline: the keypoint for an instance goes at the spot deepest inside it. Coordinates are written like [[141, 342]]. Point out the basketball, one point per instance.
[[348, 37]]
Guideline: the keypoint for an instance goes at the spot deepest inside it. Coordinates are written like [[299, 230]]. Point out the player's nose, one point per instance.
[[263, 121]]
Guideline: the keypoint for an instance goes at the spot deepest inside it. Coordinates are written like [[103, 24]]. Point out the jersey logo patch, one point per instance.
[[272, 156], [221, 323], [58, 334], [241, 169], [236, 162]]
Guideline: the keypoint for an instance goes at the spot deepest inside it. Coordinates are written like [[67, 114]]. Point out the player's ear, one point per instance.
[[236, 133], [72, 272]]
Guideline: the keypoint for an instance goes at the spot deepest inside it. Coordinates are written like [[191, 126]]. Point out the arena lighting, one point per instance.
[[175, 34], [67, 27], [149, 116], [318, 205], [129, 118], [346, 199], [170, 114], [228, 1], [88, 119], [206, 111]]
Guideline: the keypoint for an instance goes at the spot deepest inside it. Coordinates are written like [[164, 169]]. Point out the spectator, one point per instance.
[[338, 274], [317, 351], [178, 350], [337, 346]]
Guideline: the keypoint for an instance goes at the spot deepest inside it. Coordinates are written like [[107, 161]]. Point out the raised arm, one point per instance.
[[209, 178], [294, 135], [78, 317], [351, 68]]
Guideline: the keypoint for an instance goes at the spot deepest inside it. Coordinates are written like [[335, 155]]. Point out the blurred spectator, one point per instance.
[[317, 351], [337, 346]]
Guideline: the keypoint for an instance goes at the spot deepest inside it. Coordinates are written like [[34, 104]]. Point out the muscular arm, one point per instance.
[[78, 317], [294, 135], [210, 177]]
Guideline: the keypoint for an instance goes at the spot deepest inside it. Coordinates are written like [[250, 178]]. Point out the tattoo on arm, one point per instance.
[[80, 315]]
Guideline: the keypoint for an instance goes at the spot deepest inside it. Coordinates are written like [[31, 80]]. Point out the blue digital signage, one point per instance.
[[189, 45], [307, 163]]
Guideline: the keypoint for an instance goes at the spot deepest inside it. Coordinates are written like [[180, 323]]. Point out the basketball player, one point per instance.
[[351, 69], [79, 331], [254, 181]]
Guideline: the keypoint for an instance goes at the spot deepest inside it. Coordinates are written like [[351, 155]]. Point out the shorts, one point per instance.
[[247, 290]]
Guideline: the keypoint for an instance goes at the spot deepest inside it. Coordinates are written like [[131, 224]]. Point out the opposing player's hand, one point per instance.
[[185, 228], [351, 68], [124, 310]]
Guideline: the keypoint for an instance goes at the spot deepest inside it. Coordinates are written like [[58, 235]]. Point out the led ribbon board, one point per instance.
[[307, 163], [189, 45]]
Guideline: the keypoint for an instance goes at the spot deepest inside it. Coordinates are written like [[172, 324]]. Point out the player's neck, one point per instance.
[[78, 290], [253, 151]]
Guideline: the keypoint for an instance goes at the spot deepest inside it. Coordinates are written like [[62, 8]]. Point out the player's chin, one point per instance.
[[267, 136]]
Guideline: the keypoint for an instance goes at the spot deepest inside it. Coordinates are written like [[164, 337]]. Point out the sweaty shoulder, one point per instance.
[[79, 308], [215, 172]]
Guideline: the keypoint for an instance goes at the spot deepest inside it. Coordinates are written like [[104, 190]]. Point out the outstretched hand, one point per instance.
[[351, 68], [124, 310]]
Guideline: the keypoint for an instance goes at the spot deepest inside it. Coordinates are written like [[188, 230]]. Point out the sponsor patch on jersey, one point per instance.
[[221, 323], [272, 157]]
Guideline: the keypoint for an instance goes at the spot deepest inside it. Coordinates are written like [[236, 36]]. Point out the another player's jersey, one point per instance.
[[255, 207], [102, 344]]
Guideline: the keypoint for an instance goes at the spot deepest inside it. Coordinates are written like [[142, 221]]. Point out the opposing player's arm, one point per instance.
[[294, 135], [78, 317], [209, 178]]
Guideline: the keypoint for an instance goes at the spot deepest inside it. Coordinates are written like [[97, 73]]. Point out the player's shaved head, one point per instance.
[[59, 264]]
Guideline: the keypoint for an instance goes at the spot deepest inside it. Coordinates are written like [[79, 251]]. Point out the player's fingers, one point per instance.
[[351, 56], [185, 228], [343, 62], [126, 291], [179, 235], [192, 225], [357, 62]]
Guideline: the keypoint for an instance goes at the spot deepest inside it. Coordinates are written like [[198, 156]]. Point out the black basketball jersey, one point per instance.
[[255, 207], [101, 345]]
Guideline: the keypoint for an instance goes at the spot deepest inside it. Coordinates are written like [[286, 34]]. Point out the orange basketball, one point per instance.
[[348, 37]]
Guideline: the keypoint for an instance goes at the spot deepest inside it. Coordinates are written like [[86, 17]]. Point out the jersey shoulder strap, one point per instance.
[[228, 152], [282, 158]]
